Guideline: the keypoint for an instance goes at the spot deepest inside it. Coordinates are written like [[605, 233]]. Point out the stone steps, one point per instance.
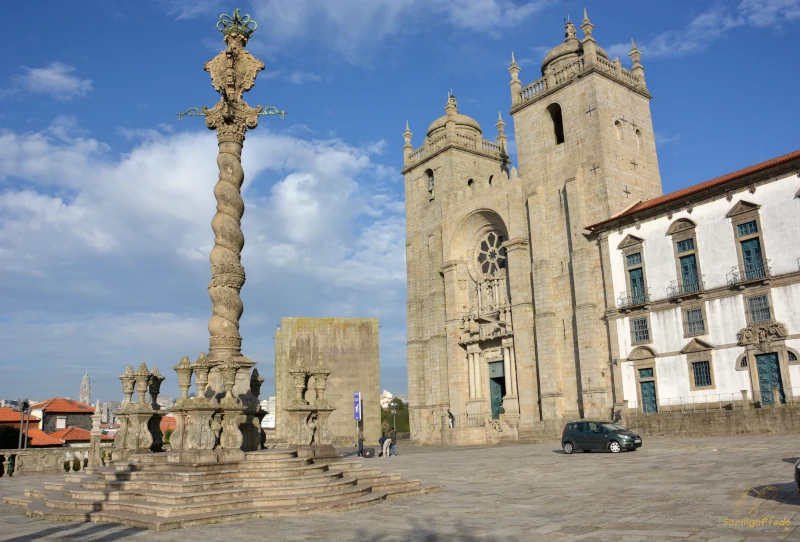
[[186, 475], [171, 498], [203, 485], [209, 505], [155, 494], [253, 464], [37, 508]]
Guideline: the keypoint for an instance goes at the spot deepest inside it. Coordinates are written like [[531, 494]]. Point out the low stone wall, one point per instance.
[[32, 461], [715, 423]]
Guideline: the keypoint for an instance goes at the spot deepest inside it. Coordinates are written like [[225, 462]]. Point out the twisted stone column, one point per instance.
[[233, 72]]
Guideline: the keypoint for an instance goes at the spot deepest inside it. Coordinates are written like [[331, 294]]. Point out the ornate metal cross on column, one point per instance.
[[233, 72]]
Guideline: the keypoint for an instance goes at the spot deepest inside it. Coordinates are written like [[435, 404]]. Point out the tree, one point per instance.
[[9, 438], [401, 416]]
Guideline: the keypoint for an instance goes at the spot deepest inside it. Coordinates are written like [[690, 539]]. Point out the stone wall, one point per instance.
[[715, 423], [349, 349], [84, 421]]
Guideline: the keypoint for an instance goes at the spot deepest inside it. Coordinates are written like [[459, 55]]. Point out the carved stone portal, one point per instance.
[[757, 334]]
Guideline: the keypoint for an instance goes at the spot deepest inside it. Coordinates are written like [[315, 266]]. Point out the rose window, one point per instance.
[[491, 255]]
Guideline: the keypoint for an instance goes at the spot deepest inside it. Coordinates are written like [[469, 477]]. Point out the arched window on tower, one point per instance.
[[429, 176], [556, 122]]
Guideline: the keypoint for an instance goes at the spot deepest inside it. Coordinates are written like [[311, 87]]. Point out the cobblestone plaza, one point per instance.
[[689, 489]]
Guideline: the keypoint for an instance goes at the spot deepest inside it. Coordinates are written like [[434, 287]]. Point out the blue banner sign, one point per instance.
[[357, 406]]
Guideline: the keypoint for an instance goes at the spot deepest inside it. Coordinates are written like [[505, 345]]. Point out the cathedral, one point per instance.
[[510, 291]]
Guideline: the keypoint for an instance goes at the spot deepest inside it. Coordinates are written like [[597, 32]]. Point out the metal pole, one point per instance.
[[27, 426], [21, 426]]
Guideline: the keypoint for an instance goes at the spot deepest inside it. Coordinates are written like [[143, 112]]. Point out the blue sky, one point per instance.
[[106, 198]]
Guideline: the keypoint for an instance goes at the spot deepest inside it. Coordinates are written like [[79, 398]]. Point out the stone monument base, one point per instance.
[[153, 492], [198, 457]]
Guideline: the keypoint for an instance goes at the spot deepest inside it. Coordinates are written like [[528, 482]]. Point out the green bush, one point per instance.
[[167, 434]]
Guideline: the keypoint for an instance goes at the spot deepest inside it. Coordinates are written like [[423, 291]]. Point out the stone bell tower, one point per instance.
[[86, 390], [456, 192], [586, 151]]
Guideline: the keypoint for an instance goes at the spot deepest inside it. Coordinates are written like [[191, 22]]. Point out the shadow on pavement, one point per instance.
[[750, 500], [97, 532], [429, 533]]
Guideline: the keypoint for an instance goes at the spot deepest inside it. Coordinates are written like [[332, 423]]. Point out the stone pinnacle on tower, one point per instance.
[[637, 69], [501, 131], [515, 84], [586, 25], [407, 148]]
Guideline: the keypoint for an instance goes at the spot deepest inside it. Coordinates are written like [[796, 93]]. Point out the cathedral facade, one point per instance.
[[513, 324]]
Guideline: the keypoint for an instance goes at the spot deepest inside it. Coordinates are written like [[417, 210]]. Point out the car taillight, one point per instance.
[[563, 431]]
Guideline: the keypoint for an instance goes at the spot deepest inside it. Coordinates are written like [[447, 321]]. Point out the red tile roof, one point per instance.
[[10, 415], [168, 422], [76, 434], [666, 198], [40, 438], [59, 405]]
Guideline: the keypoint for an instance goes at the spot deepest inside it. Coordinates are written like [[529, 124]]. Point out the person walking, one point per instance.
[[393, 438], [360, 441], [381, 442], [451, 419], [386, 444]]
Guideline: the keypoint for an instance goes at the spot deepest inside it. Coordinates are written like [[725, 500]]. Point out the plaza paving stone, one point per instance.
[[678, 489]]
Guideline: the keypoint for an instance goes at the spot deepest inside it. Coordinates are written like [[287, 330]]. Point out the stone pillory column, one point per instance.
[[223, 420]]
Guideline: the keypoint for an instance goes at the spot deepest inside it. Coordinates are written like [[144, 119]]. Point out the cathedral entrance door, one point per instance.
[[497, 387], [769, 377]]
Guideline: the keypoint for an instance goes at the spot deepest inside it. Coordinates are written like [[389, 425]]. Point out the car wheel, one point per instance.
[[568, 448], [614, 447]]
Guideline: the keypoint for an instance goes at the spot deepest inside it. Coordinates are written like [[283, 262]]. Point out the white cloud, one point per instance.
[[714, 24], [295, 77], [58, 80], [86, 232], [764, 13], [665, 139], [353, 28]]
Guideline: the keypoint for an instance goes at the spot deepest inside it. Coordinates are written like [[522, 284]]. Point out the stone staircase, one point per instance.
[[153, 494]]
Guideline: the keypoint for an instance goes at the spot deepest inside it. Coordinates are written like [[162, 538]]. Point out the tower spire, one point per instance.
[[637, 69]]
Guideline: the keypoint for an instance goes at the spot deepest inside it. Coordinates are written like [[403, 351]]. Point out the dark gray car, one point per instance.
[[588, 436]]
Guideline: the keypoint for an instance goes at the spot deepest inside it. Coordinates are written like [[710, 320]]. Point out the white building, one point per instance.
[[386, 398], [703, 291], [269, 420]]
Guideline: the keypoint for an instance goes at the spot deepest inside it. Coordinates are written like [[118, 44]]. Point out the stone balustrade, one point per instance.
[[567, 73], [461, 140], [46, 460]]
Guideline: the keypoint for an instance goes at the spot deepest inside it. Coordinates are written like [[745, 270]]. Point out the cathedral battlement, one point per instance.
[[573, 59], [454, 130]]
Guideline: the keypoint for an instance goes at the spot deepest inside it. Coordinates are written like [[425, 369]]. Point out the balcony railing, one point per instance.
[[640, 296], [741, 274], [679, 288], [463, 421]]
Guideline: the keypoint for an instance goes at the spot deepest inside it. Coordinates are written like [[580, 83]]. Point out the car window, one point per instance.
[[579, 427], [613, 427], [591, 427]]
